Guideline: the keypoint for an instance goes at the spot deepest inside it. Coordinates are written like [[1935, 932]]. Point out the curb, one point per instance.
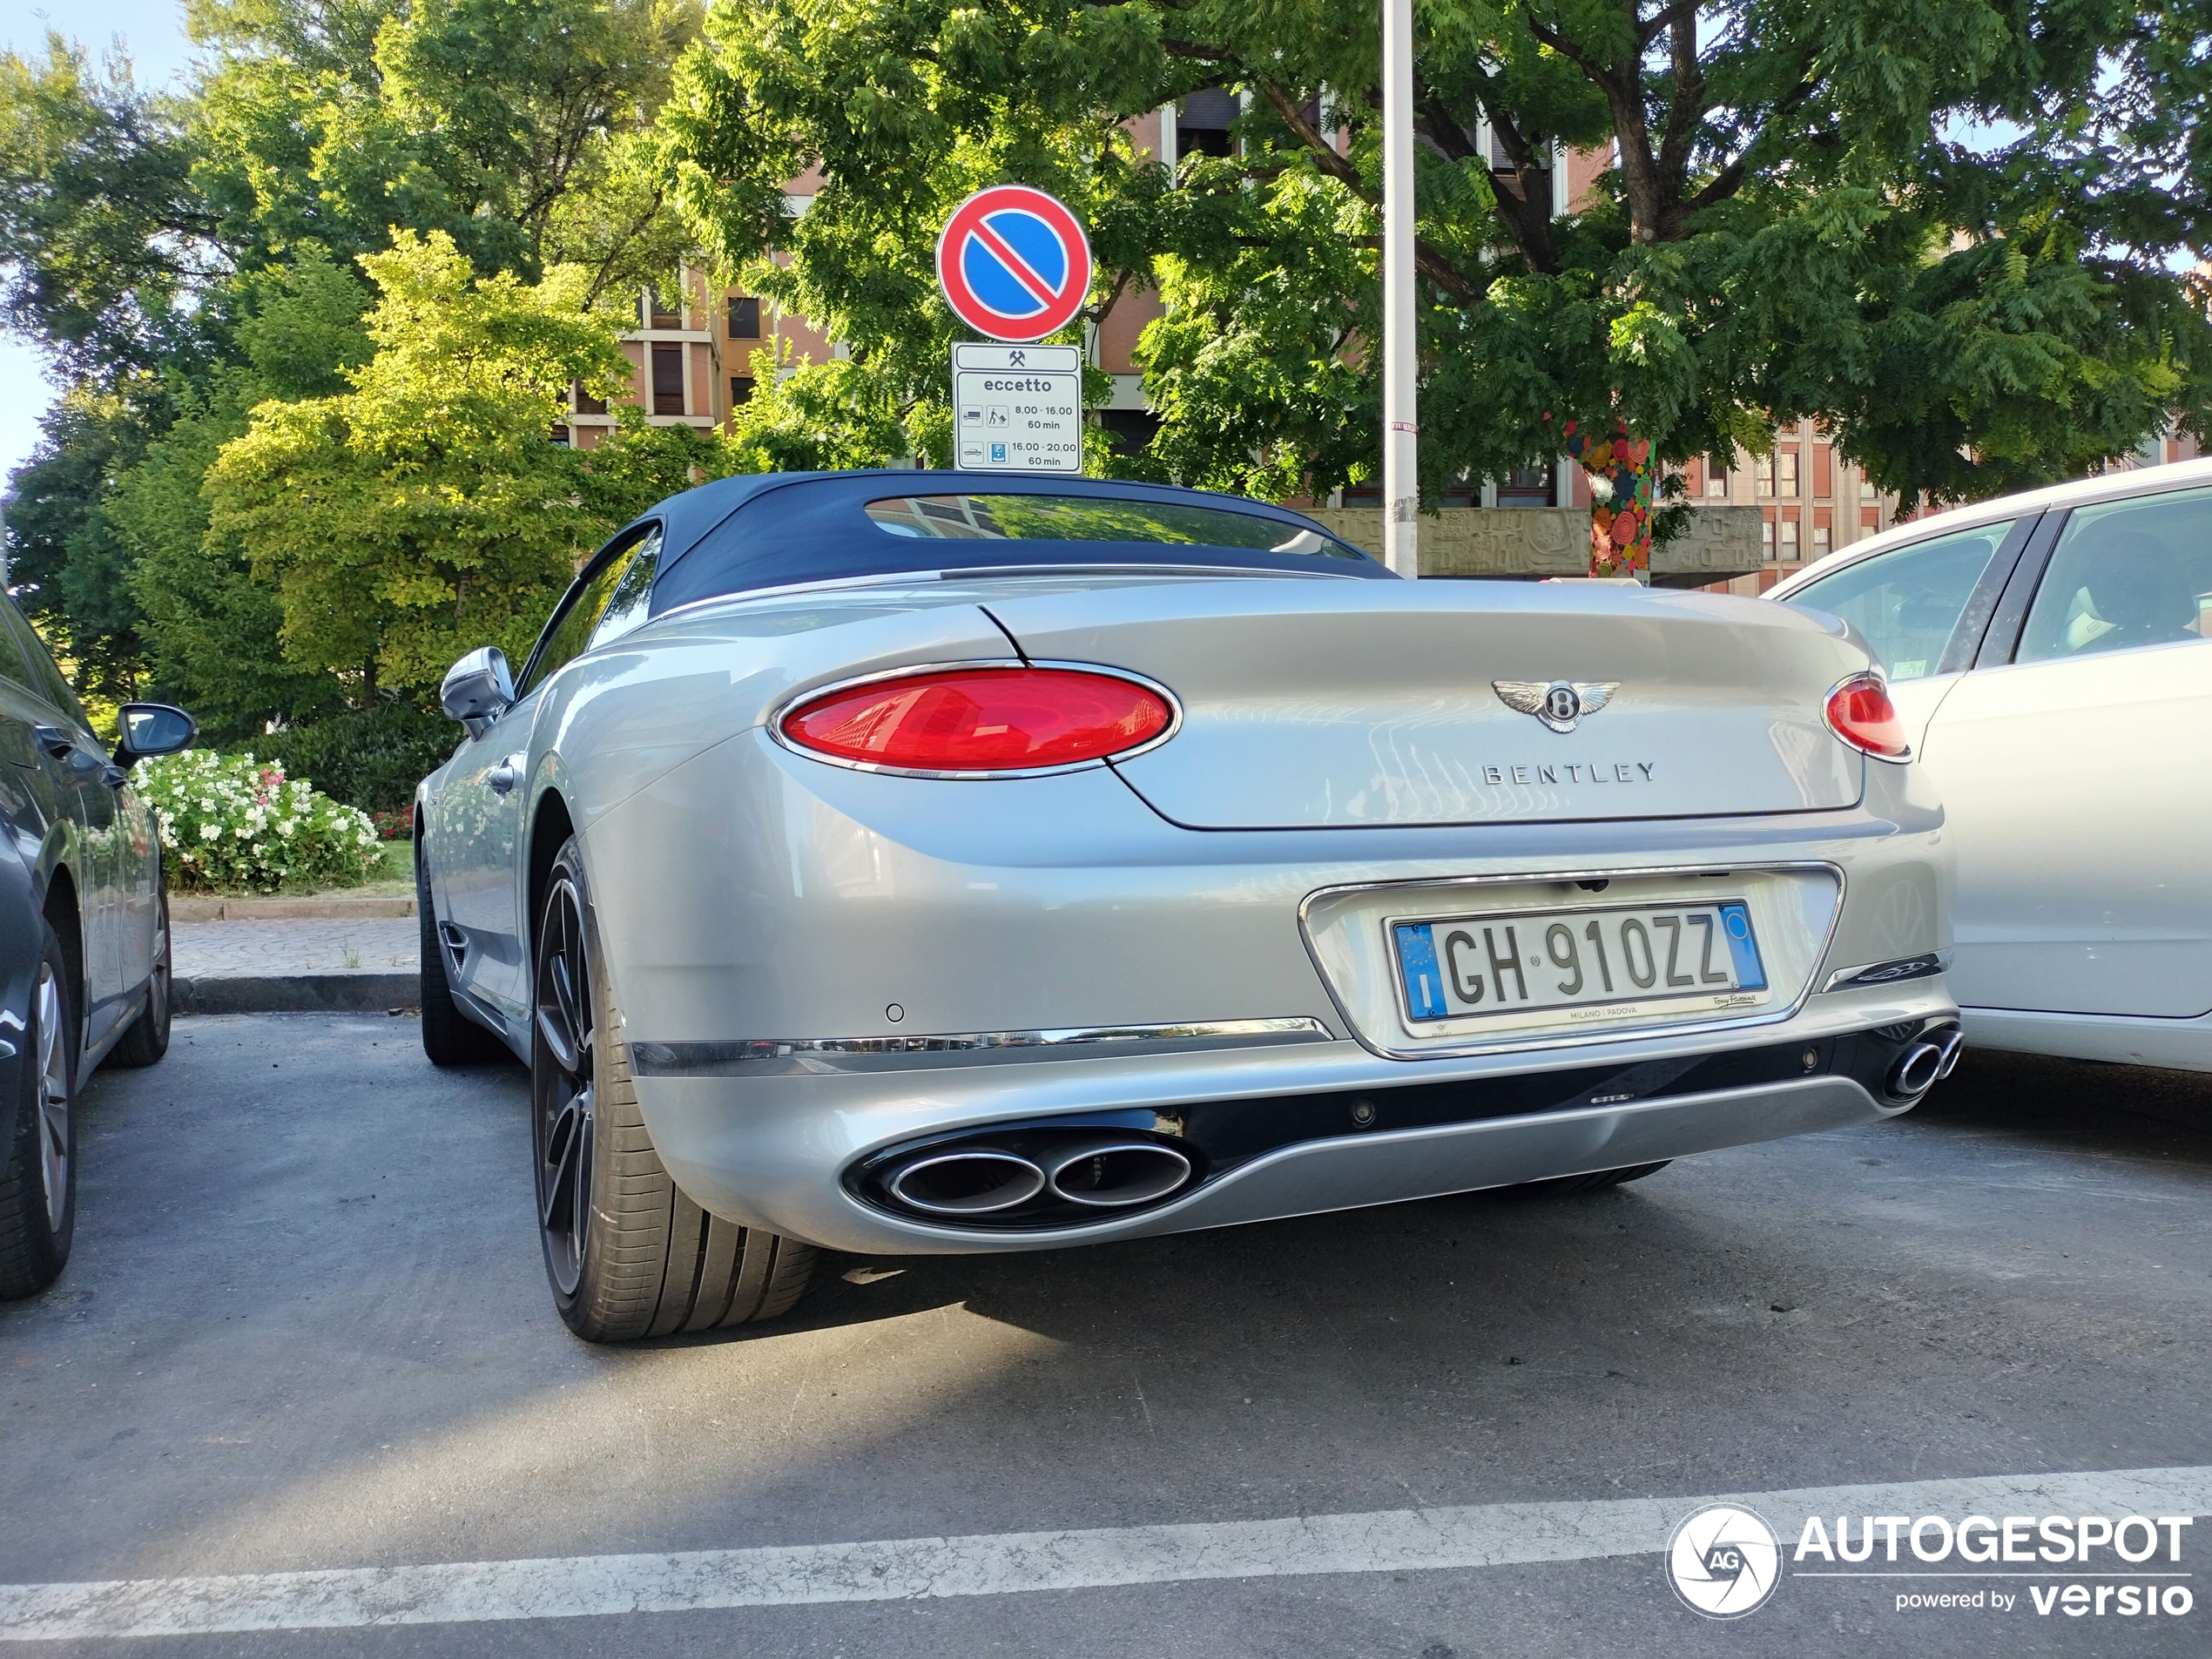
[[181, 910], [295, 993]]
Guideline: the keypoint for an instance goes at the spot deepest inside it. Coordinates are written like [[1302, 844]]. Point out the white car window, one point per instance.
[[1905, 603], [2125, 574]]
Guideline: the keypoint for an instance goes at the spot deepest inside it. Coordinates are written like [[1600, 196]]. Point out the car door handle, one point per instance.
[[55, 741], [504, 776]]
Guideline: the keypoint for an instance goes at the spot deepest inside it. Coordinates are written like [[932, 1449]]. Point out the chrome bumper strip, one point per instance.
[[772, 1056], [1926, 967]]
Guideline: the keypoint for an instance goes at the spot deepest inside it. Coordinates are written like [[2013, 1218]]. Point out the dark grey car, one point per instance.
[[84, 935]]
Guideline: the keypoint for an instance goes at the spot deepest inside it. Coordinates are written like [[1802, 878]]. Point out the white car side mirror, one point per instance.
[[478, 689]]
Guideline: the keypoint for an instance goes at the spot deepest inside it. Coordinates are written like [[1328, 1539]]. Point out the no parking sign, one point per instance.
[[1015, 266], [1013, 263]]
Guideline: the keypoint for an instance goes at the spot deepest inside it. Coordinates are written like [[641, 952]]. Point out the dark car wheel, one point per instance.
[[449, 1037], [38, 1181], [148, 1038], [628, 1254]]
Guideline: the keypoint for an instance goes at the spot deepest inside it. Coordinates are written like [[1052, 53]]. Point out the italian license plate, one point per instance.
[[1590, 964]]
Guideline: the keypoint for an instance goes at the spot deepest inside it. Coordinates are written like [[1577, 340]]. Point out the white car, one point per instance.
[[2051, 657]]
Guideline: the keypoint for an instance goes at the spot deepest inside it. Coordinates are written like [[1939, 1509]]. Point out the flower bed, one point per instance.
[[229, 822]]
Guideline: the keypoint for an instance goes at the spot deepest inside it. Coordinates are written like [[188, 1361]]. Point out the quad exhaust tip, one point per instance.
[[1925, 1063], [1113, 1175], [973, 1181], [985, 1182]]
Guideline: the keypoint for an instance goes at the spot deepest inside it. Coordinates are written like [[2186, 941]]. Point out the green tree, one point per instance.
[[1949, 230], [209, 626], [136, 230], [424, 511]]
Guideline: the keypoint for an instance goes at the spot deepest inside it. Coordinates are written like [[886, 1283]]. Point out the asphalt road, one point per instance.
[[307, 1327]]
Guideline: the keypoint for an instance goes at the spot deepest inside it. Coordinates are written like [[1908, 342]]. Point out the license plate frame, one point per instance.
[[1413, 946]]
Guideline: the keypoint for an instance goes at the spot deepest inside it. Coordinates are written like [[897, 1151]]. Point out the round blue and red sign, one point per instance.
[[1013, 263]]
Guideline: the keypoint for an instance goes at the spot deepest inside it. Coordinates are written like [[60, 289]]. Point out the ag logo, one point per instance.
[[1723, 1561]]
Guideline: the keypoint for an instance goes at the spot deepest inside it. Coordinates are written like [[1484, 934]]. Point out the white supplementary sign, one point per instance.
[[1018, 408]]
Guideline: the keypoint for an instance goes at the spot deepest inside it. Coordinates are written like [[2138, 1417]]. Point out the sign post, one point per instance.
[[1401, 420], [1015, 266]]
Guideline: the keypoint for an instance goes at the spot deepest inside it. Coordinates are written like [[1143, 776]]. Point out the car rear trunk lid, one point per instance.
[[1317, 704]]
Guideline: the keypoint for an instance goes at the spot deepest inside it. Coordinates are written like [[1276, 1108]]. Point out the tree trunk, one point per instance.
[[1622, 476]]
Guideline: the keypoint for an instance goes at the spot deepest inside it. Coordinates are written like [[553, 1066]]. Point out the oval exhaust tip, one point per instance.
[[1113, 1175], [1916, 1070], [971, 1182]]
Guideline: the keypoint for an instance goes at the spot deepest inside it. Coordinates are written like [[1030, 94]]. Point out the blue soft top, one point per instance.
[[771, 529]]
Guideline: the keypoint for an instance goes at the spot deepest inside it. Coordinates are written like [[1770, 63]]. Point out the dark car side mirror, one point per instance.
[[478, 689], [152, 729]]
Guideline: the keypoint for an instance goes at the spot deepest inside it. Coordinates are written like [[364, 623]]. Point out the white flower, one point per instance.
[[210, 832]]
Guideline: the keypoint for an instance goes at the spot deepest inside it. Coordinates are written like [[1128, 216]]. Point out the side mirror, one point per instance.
[[152, 729], [478, 689]]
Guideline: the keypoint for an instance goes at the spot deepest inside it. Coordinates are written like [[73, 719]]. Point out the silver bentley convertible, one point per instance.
[[906, 862]]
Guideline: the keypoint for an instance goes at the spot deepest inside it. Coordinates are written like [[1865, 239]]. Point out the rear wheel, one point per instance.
[[1597, 1181], [148, 1038], [627, 1253], [449, 1037], [38, 1178]]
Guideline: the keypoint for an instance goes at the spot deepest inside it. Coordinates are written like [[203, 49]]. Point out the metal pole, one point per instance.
[[1401, 442]]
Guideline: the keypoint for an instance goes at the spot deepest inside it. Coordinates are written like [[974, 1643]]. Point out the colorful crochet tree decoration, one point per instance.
[[1622, 476]]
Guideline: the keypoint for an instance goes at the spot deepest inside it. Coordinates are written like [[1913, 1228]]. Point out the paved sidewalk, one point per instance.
[[274, 966], [372, 945]]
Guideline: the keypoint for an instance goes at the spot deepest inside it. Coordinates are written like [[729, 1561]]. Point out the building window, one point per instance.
[[740, 389], [1128, 430], [1764, 472], [1819, 540], [1866, 489], [1786, 473], [1528, 486], [668, 379], [744, 319], [1824, 472], [1788, 549], [1766, 536], [1716, 478], [1203, 122], [560, 435], [583, 403], [659, 313]]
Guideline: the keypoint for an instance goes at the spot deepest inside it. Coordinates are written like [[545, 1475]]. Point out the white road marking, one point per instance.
[[1494, 1535]]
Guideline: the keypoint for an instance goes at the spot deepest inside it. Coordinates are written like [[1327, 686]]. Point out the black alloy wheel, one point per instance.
[[562, 1099], [629, 1252]]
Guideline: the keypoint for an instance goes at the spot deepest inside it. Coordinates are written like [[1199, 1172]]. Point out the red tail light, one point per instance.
[[979, 720], [1860, 712]]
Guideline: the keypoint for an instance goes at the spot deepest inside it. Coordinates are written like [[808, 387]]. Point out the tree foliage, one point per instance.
[[1949, 229], [424, 511], [141, 234]]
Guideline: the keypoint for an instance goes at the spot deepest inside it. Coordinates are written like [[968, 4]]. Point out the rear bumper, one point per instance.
[[779, 1149]]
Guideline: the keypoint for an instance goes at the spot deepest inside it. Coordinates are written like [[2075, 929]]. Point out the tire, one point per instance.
[[643, 1260], [1597, 1181], [148, 1038], [449, 1037], [39, 1180]]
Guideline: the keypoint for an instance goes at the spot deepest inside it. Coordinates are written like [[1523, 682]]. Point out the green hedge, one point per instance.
[[371, 759]]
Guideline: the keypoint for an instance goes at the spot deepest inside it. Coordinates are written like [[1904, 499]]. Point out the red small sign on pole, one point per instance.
[[1013, 263]]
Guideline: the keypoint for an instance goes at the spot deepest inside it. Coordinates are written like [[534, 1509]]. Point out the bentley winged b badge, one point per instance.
[[1558, 703]]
